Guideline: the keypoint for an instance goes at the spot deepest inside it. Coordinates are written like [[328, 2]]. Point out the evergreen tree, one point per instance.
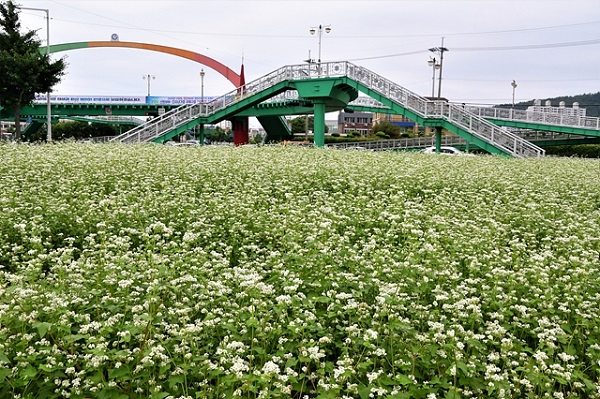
[[25, 70]]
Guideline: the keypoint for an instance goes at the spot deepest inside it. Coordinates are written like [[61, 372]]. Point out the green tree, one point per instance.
[[298, 124], [218, 134], [82, 130], [24, 69], [388, 128]]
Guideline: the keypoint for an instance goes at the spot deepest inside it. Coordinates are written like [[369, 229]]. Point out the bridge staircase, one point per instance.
[[438, 114]]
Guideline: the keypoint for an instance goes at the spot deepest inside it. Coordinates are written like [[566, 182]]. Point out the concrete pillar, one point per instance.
[[319, 125], [438, 139], [201, 133], [240, 131]]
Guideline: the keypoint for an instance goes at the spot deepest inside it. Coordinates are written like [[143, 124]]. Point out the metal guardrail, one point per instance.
[[398, 144], [474, 124], [448, 140], [549, 118]]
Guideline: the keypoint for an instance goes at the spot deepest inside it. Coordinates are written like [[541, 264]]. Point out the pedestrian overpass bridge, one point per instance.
[[327, 87]]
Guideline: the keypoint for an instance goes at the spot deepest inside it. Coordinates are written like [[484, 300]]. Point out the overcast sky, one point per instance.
[[549, 47]]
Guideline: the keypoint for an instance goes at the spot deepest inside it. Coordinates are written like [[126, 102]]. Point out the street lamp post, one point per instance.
[[440, 50], [514, 86], [434, 65], [49, 107], [202, 74], [319, 105], [320, 29], [148, 77]]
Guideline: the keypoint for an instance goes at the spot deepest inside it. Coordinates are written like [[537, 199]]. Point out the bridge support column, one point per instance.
[[200, 137], [438, 139], [240, 131], [319, 123]]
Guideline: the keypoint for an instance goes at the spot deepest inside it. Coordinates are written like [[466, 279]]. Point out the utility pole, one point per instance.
[[149, 77], [440, 50], [49, 107], [309, 61]]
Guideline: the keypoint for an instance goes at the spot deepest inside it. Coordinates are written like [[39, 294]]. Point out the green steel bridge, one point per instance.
[[327, 87]]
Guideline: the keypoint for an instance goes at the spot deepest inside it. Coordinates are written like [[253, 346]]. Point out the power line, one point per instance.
[[531, 46], [526, 47], [389, 55]]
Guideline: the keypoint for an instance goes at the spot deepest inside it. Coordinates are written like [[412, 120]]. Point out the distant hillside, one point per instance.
[[591, 102]]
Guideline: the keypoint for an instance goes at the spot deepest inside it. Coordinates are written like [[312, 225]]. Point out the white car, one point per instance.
[[445, 150], [188, 143]]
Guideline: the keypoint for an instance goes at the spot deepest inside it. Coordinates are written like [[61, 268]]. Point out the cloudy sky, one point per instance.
[[549, 47]]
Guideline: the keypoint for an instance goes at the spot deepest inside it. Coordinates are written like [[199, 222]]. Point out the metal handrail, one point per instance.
[[549, 118], [446, 140]]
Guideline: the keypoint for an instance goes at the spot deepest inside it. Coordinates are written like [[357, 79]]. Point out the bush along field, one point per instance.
[[271, 272]]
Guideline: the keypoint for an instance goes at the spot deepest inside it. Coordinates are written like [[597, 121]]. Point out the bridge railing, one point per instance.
[[403, 143], [549, 118], [448, 140], [176, 118], [584, 122]]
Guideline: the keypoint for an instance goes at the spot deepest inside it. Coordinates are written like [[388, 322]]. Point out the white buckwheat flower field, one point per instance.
[[278, 272]]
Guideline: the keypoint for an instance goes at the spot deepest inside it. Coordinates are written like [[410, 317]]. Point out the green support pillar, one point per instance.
[[201, 133], [319, 125], [467, 146], [438, 139]]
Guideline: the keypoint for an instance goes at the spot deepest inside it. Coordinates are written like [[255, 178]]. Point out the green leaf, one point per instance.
[[4, 358], [4, 372], [160, 395], [42, 328], [176, 379], [327, 395], [28, 372], [404, 380], [46, 368], [115, 373], [258, 351], [291, 362], [74, 337], [453, 394], [364, 391], [463, 367]]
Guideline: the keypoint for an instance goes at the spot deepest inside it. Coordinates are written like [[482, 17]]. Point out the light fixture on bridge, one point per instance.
[[149, 78], [319, 30], [440, 50]]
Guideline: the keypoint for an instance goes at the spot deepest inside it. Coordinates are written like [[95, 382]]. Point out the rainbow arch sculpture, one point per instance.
[[233, 77]]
